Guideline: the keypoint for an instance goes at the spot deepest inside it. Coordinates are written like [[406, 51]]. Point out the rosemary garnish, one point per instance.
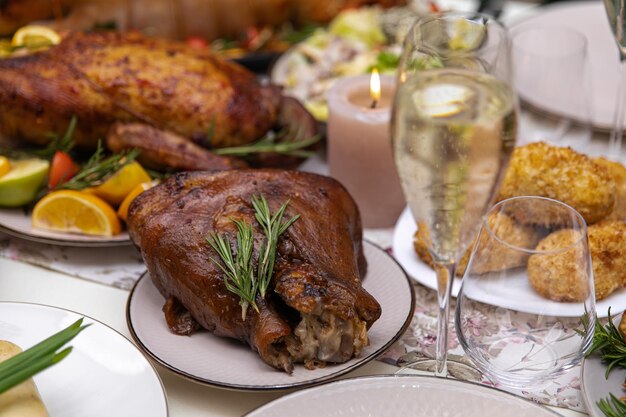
[[63, 143], [239, 272], [98, 169], [271, 143], [273, 227], [241, 278], [612, 407], [610, 343]]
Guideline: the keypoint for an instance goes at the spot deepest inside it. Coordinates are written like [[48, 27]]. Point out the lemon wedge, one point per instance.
[[76, 212], [20, 184], [116, 188], [35, 36]]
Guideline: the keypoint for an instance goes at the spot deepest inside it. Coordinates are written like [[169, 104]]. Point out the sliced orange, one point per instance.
[[76, 212], [122, 211], [116, 188]]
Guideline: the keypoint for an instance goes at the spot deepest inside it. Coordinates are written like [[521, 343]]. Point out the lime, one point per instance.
[[19, 186]]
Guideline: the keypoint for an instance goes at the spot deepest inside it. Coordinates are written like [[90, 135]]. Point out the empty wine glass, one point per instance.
[[553, 84], [453, 128], [526, 309]]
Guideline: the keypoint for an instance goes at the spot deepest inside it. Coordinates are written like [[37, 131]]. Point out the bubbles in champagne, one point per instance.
[[453, 131]]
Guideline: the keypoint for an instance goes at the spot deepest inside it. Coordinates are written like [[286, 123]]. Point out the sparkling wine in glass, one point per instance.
[[453, 129], [615, 10]]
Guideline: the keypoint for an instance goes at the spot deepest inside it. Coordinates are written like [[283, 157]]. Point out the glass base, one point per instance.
[[456, 369]]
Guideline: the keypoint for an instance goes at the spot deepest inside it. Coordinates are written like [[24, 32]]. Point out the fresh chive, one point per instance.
[[37, 358]]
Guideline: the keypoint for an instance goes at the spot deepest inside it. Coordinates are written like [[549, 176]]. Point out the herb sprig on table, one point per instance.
[[240, 276], [24, 365], [609, 342]]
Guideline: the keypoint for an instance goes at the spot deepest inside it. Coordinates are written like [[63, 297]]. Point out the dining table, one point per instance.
[[96, 282]]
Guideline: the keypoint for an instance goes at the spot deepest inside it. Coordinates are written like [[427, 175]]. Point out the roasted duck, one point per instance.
[[315, 310], [104, 77]]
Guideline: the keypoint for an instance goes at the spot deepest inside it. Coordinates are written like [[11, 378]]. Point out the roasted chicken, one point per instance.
[[104, 77], [315, 310]]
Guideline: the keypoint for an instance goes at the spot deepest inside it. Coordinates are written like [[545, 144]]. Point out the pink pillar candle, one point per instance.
[[359, 148]]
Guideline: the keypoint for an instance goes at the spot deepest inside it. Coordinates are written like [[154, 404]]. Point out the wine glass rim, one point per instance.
[[516, 32], [581, 220], [463, 15]]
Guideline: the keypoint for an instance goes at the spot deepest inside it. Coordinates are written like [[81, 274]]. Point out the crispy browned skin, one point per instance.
[[103, 77], [316, 292], [558, 276], [618, 172], [162, 149], [539, 169]]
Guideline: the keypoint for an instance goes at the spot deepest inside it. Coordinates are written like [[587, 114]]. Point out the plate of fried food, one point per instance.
[[266, 287], [71, 167], [595, 187]]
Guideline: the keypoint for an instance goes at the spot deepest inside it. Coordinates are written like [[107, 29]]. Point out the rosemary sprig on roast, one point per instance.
[[612, 407], [241, 278], [609, 342]]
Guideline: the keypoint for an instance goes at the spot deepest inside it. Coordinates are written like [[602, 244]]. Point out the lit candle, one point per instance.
[[359, 148]]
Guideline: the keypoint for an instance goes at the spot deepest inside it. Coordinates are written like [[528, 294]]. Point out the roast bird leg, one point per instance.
[[315, 311]]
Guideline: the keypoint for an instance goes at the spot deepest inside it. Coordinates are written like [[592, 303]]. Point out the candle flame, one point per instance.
[[375, 85]]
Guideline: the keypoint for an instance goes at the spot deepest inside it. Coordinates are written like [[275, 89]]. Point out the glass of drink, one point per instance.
[[453, 128], [526, 309]]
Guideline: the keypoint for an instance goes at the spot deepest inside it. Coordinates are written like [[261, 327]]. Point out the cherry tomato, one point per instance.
[[62, 169], [197, 42]]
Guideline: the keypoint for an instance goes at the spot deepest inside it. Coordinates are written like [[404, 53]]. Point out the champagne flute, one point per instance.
[[615, 10], [453, 129]]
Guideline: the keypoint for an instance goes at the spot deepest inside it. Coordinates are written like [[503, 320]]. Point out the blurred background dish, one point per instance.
[[589, 18]]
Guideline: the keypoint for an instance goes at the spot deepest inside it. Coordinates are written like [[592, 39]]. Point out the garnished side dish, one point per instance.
[[272, 258]]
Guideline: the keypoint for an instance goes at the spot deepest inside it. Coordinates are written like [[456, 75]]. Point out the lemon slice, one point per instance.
[[20, 184], [76, 212], [5, 165], [35, 36], [122, 211], [116, 188]]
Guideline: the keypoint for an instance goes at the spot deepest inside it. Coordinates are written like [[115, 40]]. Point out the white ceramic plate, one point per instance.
[[517, 294], [226, 363], [104, 376], [17, 222], [590, 19], [594, 385], [401, 396]]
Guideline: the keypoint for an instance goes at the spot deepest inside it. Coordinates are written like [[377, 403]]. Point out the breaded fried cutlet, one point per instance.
[[558, 276], [618, 172], [492, 255], [539, 169], [498, 249]]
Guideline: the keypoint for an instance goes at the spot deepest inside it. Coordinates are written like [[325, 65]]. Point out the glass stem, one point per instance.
[[445, 277], [615, 141]]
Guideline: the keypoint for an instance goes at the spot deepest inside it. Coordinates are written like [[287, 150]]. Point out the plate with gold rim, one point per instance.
[[17, 222], [225, 363]]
